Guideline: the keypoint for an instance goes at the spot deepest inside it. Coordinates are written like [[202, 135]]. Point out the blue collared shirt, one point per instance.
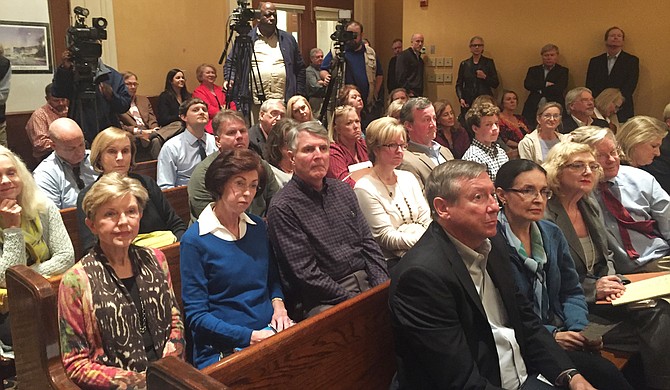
[[645, 199], [178, 158], [55, 178]]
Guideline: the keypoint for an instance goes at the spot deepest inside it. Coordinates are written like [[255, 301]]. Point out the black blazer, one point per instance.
[[442, 336], [624, 76], [468, 86], [535, 83], [391, 82], [409, 72], [568, 124]]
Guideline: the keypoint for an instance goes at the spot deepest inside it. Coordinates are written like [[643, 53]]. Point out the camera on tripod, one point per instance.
[[242, 16], [85, 49], [341, 36]]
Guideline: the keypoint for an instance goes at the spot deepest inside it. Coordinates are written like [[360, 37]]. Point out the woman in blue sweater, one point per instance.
[[230, 288], [544, 270]]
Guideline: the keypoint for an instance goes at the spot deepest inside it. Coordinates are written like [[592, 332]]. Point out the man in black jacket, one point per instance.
[[5, 78], [547, 81], [458, 319], [409, 67], [476, 76], [615, 69]]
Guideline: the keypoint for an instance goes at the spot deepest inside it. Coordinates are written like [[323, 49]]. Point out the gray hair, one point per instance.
[[407, 110], [312, 127], [573, 95], [591, 135], [313, 52], [445, 180], [268, 104]]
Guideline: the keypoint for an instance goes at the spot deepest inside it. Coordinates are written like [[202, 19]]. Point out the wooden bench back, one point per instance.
[[146, 168], [178, 199], [69, 216], [34, 324], [347, 347]]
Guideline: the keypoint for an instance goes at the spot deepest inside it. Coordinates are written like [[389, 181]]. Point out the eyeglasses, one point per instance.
[[530, 193], [579, 166], [129, 84], [394, 146], [551, 116], [477, 45]]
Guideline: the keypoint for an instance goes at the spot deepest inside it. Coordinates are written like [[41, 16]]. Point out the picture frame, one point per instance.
[[27, 45]]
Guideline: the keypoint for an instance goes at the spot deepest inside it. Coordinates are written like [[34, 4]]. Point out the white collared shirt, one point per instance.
[[512, 367], [209, 223]]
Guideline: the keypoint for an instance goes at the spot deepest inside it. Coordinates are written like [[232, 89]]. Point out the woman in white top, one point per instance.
[[391, 200], [536, 145]]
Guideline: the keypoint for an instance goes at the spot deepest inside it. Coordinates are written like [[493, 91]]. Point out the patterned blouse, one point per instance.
[[100, 336], [510, 131]]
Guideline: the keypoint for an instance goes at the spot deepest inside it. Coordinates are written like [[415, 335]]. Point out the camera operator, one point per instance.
[[111, 97], [363, 70], [280, 63]]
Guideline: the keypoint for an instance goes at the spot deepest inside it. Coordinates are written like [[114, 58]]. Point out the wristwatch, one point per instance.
[[567, 377]]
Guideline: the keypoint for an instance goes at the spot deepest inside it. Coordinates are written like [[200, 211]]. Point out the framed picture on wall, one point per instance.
[[27, 45]]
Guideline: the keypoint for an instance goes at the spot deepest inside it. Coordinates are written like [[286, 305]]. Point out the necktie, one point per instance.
[[201, 149], [77, 177], [625, 221]]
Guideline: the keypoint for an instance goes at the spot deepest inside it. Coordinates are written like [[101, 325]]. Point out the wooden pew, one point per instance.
[[34, 324], [347, 347], [69, 216], [178, 198], [146, 168]]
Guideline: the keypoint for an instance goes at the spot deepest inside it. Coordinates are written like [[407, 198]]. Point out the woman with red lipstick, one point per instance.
[[230, 287], [114, 151], [209, 92], [298, 108], [544, 270], [347, 145], [391, 200], [117, 311]]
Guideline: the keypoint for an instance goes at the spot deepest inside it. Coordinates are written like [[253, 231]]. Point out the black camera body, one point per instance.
[[85, 49], [341, 36], [242, 16]]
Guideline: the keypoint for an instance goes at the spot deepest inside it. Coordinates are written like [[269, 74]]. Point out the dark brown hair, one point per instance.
[[231, 163]]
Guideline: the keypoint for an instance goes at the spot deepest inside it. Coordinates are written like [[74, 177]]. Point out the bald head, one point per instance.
[[417, 42], [68, 140]]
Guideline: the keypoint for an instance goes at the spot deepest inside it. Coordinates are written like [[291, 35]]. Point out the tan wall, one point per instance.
[[154, 36], [515, 32], [388, 26]]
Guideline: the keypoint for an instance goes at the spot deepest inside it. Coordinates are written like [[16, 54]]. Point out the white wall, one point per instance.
[[27, 90]]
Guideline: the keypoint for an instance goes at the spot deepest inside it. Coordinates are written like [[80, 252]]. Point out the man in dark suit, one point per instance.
[[391, 82], [458, 320], [409, 67], [547, 81], [615, 69], [579, 110]]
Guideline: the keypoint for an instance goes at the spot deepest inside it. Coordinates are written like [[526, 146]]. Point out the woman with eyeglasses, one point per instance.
[[347, 145], [536, 145], [391, 199], [544, 270], [230, 287]]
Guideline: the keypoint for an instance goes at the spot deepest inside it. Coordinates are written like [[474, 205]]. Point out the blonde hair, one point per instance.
[[106, 138], [394, 108], [31, 199], [666, 113], [200, 71], [559, 156], [109, 187], [605, 98], [340, 112], [637, 130], [382, 131], [295, 99]]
